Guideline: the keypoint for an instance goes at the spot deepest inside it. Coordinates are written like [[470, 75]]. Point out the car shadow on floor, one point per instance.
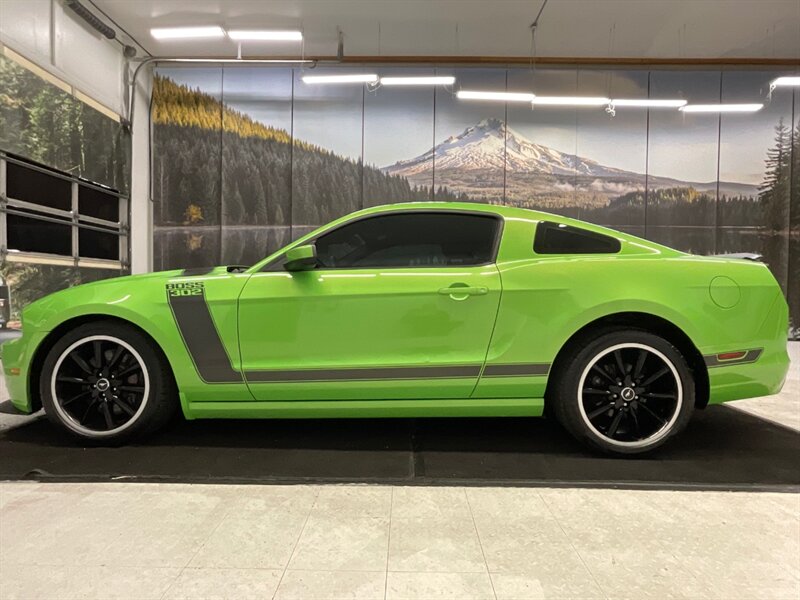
[[722, 448]]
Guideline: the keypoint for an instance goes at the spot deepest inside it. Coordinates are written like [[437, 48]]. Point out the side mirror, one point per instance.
[[301, 258]]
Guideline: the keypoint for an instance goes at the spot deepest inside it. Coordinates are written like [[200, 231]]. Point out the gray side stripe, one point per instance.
[[363, 374], [517, 370], [202, 339], [750, 356], [205, 347]]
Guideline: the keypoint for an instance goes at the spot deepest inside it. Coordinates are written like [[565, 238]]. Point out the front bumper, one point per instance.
[[17, 358]]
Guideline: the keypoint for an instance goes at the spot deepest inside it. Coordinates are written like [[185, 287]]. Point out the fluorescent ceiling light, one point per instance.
[[352, 78], [437, 80], [294, 61], [570, 100], [786, 81], [241, 35], [721, 108], [645, 102], [503, 96], [177, 33]]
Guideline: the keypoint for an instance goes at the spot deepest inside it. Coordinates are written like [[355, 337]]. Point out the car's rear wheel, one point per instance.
[[624, 391], [106, 382]]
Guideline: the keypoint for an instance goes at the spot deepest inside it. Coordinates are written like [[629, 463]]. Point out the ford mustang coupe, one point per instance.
[[424, 309]]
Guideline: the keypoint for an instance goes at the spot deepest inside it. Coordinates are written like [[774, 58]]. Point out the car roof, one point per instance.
[[497, 209], [506, 211]]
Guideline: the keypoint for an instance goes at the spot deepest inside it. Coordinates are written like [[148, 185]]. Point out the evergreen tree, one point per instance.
[[793, 291], [774, 191], [795, 182]]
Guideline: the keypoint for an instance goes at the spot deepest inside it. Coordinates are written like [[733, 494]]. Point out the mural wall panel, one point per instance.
[[541, 165], [327, 153], [682, 161], [703, 183], [256, 165], [612, 193], [469, 157], [398, 141], [754, 217], [187, 166]]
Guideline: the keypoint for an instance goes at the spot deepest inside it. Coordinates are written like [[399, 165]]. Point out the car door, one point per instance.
[[401, 305]]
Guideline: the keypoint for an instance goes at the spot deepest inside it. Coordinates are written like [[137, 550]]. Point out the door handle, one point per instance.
[[457, 292]]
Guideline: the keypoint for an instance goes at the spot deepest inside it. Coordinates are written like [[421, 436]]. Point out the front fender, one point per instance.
[[140, 301], [143, 305]]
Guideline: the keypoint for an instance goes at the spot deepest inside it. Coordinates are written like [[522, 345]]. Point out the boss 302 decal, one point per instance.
[[187, 299]]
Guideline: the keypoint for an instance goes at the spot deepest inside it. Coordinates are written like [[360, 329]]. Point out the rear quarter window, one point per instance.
[[557, 238]]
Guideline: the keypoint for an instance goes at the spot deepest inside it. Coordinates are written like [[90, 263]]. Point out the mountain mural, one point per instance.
[[231, 189], [469, 163]]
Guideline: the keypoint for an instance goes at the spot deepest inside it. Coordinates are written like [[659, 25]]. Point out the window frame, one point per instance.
[[72, 218], [277, 263], [556, 224]]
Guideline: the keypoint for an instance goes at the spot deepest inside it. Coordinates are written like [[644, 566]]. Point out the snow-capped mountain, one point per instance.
[[472, 162], [482, 146]]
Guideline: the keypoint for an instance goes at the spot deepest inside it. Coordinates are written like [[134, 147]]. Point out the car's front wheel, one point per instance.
[[624, 392], [106, 382]]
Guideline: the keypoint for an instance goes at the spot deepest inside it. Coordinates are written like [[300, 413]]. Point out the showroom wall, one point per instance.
[[247, 158]]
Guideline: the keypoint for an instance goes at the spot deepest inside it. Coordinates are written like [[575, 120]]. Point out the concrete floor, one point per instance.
[[121, 540]]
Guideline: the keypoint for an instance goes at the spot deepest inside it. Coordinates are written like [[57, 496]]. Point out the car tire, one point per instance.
[[614, 404], [106, 382]]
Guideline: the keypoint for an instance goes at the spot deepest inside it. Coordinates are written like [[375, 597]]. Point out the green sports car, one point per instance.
[[424, 309]]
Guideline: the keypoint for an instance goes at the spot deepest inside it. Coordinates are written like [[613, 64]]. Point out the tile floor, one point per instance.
[[308, 542]]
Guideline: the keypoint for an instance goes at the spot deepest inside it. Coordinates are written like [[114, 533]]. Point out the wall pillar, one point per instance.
[[141, 233]]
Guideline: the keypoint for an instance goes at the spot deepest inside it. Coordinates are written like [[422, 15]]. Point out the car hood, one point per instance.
[[128, 280], [113, 291]]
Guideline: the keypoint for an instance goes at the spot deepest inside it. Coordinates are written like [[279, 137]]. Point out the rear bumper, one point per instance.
[[763, 376]]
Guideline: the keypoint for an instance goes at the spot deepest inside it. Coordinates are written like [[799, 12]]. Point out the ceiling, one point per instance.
[[650, 29]]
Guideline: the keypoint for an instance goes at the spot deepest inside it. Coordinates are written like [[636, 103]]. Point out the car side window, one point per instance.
[[558, 238], [410, 240]]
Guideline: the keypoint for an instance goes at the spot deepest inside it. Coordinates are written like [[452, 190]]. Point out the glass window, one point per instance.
[[38, 235], [411, 240], [94, 203], [98, 244], [37, 187], [557, 238]]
